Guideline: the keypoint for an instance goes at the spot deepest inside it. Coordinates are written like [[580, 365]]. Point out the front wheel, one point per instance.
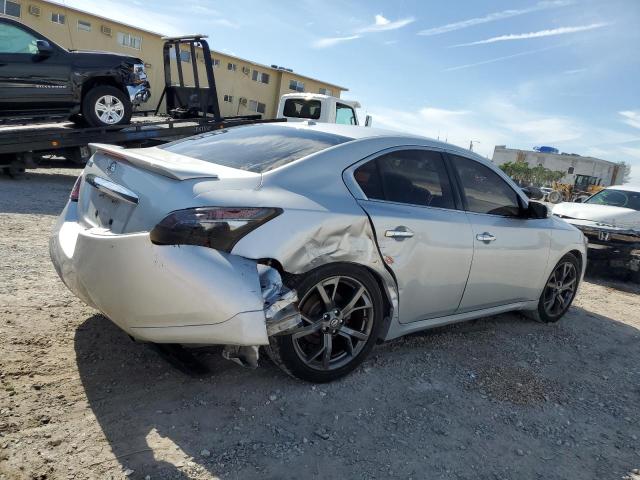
[[105, 106], [559, 291], [342, 312]]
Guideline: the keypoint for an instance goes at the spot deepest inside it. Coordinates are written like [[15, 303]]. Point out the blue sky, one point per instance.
[[564, 73]]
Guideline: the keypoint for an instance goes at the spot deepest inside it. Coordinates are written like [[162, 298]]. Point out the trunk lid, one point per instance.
[[131, 190]]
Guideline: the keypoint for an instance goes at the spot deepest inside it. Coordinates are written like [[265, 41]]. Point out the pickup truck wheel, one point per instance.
[[342, 310], [105, 106]]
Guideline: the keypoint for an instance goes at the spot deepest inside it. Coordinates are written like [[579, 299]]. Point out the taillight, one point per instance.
[[75, 191], [214, 227]]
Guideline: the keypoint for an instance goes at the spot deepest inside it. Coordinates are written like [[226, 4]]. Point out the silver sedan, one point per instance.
[[314, 241]]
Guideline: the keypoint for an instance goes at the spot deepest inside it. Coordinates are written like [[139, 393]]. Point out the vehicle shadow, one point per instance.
[[407, 410]]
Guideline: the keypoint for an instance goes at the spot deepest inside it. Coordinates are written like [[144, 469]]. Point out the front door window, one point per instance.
[[15, 40]]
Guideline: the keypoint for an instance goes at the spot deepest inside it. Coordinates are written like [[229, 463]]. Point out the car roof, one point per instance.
[[357, 132]]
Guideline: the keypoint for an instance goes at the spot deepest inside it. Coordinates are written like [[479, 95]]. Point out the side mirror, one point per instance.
[[578, 200], [537, 210], [44, 48], [368, 121]]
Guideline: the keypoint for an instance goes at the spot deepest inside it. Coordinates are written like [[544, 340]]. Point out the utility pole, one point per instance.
[[471, 144]]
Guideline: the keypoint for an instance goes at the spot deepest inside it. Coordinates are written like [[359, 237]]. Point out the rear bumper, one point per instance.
[[164, 294]]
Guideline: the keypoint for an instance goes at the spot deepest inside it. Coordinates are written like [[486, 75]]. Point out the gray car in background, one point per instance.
[[314, 241]]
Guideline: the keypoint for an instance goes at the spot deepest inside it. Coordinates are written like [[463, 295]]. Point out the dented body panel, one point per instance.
[[160, 294]]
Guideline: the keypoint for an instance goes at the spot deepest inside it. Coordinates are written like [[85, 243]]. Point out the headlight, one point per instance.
[[214, 227], [139, 73]]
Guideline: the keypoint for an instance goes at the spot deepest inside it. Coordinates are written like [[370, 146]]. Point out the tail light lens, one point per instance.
[[75, 191], [214, 227]]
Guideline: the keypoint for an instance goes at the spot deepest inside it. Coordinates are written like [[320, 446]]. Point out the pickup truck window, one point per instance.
[[300, 108], [16, 40], [345, 115]]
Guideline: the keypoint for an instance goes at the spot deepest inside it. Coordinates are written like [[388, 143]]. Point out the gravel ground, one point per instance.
[[498, 398]]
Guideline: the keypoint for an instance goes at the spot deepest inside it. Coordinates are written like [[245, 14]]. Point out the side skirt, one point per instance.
[[399, 329]]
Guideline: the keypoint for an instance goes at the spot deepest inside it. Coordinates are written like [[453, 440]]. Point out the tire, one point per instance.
[[563, 297], [114, 102], [348, 336]]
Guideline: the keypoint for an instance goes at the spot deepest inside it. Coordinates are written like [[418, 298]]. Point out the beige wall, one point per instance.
[[236, 83]]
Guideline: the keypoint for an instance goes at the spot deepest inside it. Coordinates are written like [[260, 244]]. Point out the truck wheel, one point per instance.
[[105, 106], [342, 312]]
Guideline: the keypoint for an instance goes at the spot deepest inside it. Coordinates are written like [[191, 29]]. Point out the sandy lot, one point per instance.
[[498, 398]]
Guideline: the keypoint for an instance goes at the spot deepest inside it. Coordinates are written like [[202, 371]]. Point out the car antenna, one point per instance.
[[66, 11]]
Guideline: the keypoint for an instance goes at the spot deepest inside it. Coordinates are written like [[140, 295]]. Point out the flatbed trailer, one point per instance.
[[22, 146], [192, 109]]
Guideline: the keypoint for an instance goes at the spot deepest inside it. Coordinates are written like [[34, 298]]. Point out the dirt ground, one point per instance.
[[498, 398]]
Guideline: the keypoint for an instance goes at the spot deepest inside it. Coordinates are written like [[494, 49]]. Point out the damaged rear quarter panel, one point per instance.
[[321, 222]]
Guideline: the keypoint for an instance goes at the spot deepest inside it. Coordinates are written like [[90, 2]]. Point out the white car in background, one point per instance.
[[610, 219]]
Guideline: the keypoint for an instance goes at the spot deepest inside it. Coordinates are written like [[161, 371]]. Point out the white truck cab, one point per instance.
[[321, 108]]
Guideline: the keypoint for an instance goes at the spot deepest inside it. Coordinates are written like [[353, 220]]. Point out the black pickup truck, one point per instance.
[[40, 79]]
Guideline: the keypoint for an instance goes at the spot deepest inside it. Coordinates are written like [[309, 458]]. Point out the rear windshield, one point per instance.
[[256, 148], [301, 108]]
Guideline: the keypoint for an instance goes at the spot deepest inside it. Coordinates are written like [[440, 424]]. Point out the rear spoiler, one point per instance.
[[167, 164]]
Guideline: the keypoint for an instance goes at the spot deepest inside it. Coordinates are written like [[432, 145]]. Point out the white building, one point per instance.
[[605, 173]]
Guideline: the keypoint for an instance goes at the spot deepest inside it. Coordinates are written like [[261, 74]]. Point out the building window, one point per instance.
[[128, 40], [228, 98], [215, 62], [85, 26], [325, 91], [570, 170], [232, 66], [185, 56], [260, 77], [296, 85], [10, 8], [58, 18], [256, 106]]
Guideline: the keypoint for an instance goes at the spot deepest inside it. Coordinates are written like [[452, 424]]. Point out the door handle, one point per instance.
[[399, 233], [485, 237]]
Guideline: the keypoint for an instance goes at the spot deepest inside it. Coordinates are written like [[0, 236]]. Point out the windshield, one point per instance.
[[616, 198], [256, 148], [301, 108]]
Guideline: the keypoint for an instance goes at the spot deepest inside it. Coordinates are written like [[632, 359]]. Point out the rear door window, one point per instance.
[[301, 108], [484, 190], [416, 177], [255, 148]]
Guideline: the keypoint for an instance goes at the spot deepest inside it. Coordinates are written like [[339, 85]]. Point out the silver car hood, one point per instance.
[[604, 214]]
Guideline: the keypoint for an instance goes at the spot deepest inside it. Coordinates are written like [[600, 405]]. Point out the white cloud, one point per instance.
[[539, 34], [499, 121], [499, 59], [383, 24], [492, 17], [631, 117], [331, 41]]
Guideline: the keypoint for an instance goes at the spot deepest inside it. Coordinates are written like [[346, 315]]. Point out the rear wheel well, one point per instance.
[[291, 280]]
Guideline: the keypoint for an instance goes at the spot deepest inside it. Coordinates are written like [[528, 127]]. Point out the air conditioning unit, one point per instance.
[[246, 70], [34, 10], [106, 30]]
